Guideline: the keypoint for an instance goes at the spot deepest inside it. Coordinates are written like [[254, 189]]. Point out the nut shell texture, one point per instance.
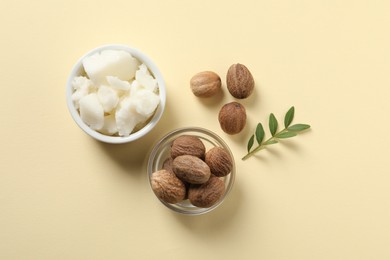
[[188, 145], [205, 84], [207, 194], [239, 81], [232, 118], [167, 164], [191, 169], [167, 186], [219, 161]]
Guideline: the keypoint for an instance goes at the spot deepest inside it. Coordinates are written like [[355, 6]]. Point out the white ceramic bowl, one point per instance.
[[78, 70]]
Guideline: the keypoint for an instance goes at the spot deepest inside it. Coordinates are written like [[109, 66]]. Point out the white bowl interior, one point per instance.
[[78, 70]]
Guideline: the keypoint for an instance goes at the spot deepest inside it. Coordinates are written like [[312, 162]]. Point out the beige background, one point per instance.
[[322, 195]]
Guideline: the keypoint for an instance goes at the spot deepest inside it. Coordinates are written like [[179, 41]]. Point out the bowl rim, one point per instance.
[[153, 69], [184, 130]]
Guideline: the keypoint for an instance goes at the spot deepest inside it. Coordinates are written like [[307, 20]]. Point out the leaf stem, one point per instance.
[[263, 145]]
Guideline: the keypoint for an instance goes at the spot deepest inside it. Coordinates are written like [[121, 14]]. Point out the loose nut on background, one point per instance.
[[188, 145], [219, 161], [191, 169], [207, 194], [205, 84], [167, 186], [239, 81], [232, 118]]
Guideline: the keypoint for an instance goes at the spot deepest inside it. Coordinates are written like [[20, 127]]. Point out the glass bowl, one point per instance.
[[161, 151], [151, 123]]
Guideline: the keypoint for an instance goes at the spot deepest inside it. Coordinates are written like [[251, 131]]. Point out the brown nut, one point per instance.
[[188, 145], [232, 118], [219, 161], [207, 194], [239, 81], [167, 164], [205, 84], [167, 186], [191, 169]]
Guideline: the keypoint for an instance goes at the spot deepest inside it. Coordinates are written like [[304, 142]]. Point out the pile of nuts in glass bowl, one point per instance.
[[191, 170]]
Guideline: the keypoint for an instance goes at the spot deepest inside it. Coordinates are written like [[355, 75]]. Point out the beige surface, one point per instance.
[[322, 195]]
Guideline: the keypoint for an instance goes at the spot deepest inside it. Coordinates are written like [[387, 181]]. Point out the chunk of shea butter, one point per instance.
[[108, 98], [91, 111], [109, 127], [146, 102], [114, 63], [82, 86], [144, 78], [134, 87], [127, 117], [118, 84]]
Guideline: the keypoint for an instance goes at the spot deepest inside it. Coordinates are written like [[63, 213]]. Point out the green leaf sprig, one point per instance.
[[288, 131]]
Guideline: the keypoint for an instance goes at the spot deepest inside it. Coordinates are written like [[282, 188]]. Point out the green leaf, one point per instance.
[[286, 135], [288, 132], [271, 141], [250, 143], [273, 124], [298, 127], [259, 133], [289, 117]]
